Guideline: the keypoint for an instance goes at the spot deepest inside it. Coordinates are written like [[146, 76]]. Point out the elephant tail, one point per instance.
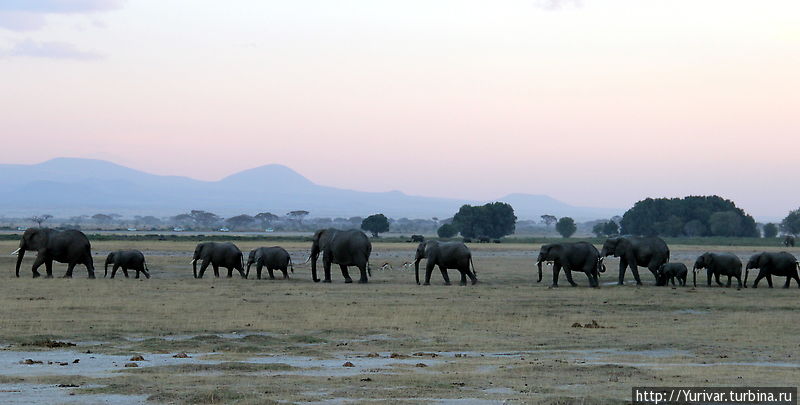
[[291, 265]]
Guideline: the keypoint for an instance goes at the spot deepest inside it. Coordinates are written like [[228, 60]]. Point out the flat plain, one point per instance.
[[507, 339]]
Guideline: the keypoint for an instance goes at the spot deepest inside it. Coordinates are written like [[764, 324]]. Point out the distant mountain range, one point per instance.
[[69, 186]]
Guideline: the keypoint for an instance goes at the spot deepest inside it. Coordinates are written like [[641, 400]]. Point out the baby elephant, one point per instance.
[[127, 260], [668, 272], [273, 258]]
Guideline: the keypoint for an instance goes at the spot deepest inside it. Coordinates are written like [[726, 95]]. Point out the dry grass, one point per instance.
[[507, 312]]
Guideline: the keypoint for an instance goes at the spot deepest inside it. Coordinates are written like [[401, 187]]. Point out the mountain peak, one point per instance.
[[270, 175]]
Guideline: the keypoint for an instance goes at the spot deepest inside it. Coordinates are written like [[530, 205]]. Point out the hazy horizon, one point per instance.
[[594, 103]]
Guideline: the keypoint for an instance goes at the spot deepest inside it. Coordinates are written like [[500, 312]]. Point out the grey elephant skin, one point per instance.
[[782, 264], [127, 260], [273, 258], [577, 256], [71, 247], [445, 255], [668, 272], [218, 255], [788, 241], [345, 248], [635, 251], [716, 265]]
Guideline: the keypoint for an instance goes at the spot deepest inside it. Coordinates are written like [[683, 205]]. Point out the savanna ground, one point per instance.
[[508, 339]]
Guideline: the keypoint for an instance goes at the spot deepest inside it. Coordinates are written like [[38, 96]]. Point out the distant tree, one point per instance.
[[447, 231], [266, 218], [102, 218], [40, 219], [725, 223], [298, 215], [240, 221], [610, 228], [599, 229], [770, 230], [493, 220], [694, 228], [671, 217], [150, 220], [549, 220], [566, 227], [375, 224], [204, 218], [355, 221], [791, 224], [183, 219], [77, 220]]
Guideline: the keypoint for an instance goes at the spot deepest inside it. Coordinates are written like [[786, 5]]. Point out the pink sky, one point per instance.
[[594, 102]]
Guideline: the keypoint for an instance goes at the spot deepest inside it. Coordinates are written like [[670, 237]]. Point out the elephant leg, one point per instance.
[[114, 270], [672, 280], [716, 278], [362, 268], [623, 265], [445, 276], [258, 271], [285, 273], [230, 272], [145, 272], [38, 262], [788, 281], [568, 273], [471, 275], [271, 274], [635, 271], [125, 271], [729, 282], [48, 267], [89, 263], [216, 270], [203, 268], [70, 267], [428, 272], [556, 270], [463, 277], [345, 274], [326, 266], [769, 280], [758, 278], [797, 278], [738, 280]]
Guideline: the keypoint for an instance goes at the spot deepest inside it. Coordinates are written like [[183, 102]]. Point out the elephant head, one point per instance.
[[703, 262], [547, 253], [320, 242], [661, 277], [109, 260], [610, 247], [198, 253], [252, 258], [757, 261], [32, 239], [422, 253]]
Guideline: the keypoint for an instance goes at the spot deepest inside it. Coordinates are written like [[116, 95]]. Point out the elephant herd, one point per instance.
[[352, 248]]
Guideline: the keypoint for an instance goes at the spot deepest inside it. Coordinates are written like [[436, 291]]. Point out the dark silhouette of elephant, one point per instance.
[[668, 272], [127, 260], [577, 256], [788, 241], [71, 247], [417, 238], [718, 264], [217, 254], [273, 258], [634, 251], [345, 248], [781, 264], [445, 255]]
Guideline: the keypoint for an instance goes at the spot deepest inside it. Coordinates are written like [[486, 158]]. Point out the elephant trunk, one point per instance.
[[247, 272], [694, 275], [313, 258], [20, 255], [108, 261], [194, 267], [746, 272], [539, 266], [416, 269]]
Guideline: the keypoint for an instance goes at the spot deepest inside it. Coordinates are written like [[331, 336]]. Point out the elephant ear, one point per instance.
[[763, 260]]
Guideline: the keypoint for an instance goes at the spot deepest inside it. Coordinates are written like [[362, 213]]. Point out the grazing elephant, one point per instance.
[[578, 256], [788, 241], [127, 259], [71, 247], [781, 264], [636, 251], [273, 258], [345, 248], [446, 255], [718, 264], [484, 239], [417, 238], [668, 272], [218, 255]]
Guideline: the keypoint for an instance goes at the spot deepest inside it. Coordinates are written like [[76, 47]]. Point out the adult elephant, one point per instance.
[[273, 258], [218, 255], [788, 241], [127, 260], [635, 251], [718, 264], [345, 248], [578, 256], [71, 247], [445, 255], [770, 264]]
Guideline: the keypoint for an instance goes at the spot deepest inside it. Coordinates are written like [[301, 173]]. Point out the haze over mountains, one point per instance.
[[70, 186]]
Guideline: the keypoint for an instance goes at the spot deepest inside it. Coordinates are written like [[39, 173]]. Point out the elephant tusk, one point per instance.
[[16, 252], [193, 262], [307, 260]]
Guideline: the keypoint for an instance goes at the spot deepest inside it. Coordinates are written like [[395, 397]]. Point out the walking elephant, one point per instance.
[[273, 258], [668, 272], [718, 264], [127, 260], [781, 264], [634, 251], [578, 256], [218, 255], [71, 247], [345, 248], [445, 255]]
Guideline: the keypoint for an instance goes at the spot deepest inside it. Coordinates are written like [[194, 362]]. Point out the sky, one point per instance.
[[594, 102]]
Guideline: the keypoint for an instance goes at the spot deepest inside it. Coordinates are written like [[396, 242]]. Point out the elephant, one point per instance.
[[218, 254], [781, 264], [417, 238], [345, 248], [668, 272], [636, 251], [577, 256], [445, 255], [71, 247], [718, 264], [788, 241], [273, 258], [127, 259]]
